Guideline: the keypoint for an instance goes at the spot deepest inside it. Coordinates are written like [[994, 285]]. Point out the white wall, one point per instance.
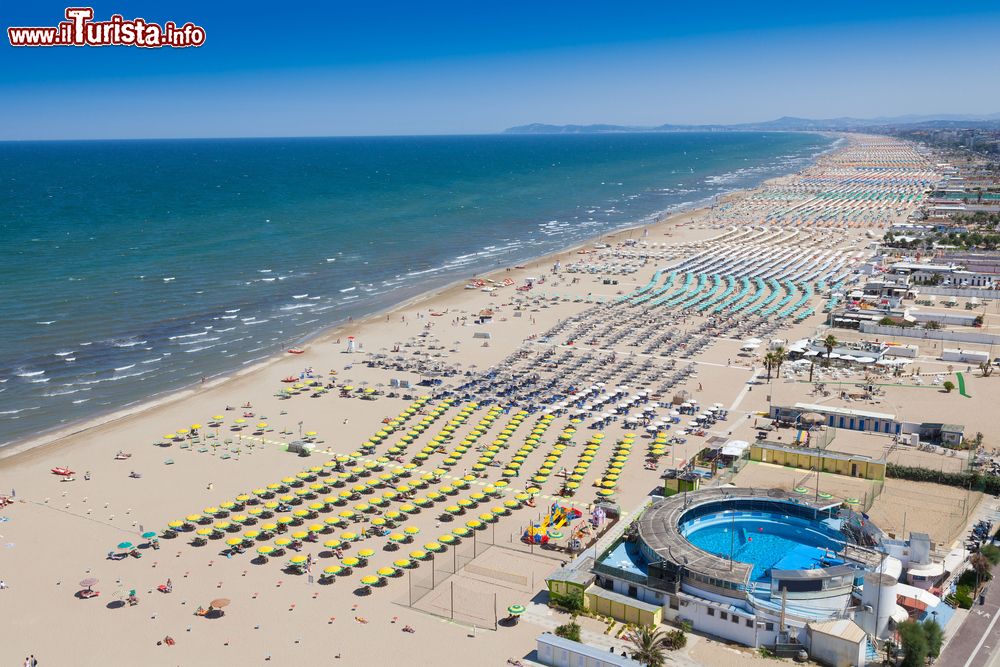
[[836, 652]]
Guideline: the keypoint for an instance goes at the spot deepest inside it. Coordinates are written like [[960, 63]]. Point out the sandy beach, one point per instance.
[[475, 350]]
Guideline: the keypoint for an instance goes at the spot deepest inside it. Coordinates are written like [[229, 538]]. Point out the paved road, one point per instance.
[[977, 642]]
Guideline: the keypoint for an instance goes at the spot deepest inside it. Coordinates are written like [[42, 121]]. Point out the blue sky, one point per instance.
[[338, 68]]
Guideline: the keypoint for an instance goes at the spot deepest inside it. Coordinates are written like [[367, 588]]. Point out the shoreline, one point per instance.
[[27, 448]]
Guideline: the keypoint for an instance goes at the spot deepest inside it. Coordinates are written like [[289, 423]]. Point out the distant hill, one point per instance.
[[785, 123]]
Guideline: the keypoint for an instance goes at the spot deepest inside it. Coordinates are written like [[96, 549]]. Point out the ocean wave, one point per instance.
[[17, 412], [65, 392], [198, 342], [21, 373], [124, 368], [124, 342], [130, 375], [199, 349], [63, 354], [190, 335]]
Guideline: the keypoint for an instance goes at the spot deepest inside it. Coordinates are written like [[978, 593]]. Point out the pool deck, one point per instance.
[[659, 527]]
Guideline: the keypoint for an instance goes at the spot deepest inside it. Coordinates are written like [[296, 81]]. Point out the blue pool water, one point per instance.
[[766, 540]]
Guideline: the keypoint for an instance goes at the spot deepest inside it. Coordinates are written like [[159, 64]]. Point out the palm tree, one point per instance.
[[768, 364], [981, 565], [780, 356], [829, 343], [649, 645]]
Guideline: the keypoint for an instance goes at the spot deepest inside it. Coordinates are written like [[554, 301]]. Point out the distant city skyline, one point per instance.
[[461, 68]]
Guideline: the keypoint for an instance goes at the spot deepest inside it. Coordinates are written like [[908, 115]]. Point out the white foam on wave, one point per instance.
[[190, 335], [199, 341], [15, 412], [125, 342], [124, 368], [28, 374], [65, 392]]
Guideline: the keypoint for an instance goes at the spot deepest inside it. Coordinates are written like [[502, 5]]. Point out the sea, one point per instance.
[[134, 268]]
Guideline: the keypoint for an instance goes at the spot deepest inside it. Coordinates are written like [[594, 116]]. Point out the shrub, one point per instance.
[[963, 596], [569, 630], [914, 641], [976, 481], [571, 602], [992, 554], [675, 640], [968, 579], [949, 386]]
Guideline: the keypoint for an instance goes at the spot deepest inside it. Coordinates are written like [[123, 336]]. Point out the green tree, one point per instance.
[[914, 641], [934, 636], [948, 386], [991, 553], [981, 566], [829, 343], [769, 364], [780, 356], [649, 646]]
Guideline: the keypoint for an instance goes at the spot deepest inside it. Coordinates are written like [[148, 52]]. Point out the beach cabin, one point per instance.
[[557, 651], [844, 418]]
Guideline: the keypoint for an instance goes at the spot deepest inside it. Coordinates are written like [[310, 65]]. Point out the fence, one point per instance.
[[452, 585], [930, 334]]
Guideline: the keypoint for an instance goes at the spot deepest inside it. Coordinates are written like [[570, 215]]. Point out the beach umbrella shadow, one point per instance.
[[115, 604]]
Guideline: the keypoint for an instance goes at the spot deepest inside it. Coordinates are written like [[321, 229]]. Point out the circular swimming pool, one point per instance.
[[773, 535]]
